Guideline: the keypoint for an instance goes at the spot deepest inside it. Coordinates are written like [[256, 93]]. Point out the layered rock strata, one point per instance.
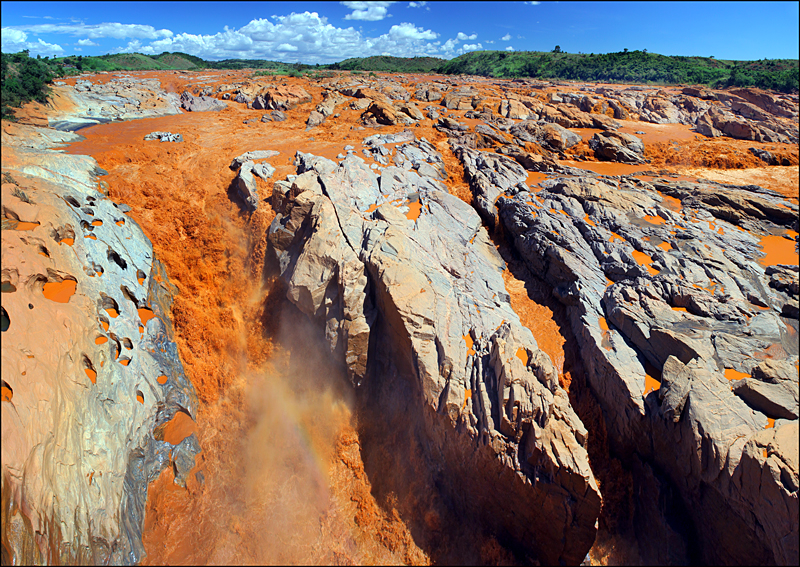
[[662, 280], [409, 289]]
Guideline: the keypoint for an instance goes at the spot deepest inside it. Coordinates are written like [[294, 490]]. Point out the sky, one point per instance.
[[325, 32]]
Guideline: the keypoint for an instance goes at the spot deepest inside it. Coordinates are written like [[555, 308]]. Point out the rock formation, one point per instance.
[[683, 322], [93, 387], [397, 262]]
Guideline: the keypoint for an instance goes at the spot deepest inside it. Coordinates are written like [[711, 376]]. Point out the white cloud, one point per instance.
[[509, 48], [416, 4], [15, 40], [310, 37], [368, 11], [462, 36], [533, 3], [471, 47], [489, 41], [108, 29], [86, 42], [506, 37]]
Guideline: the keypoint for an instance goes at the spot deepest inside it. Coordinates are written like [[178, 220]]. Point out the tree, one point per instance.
[[557, 49], [625, 50]]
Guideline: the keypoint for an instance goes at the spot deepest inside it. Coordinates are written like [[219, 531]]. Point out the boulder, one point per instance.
[[617, 146], [428, 92], [286, 97], [164, 137], [314, 119], [193, 103], [551, 136]]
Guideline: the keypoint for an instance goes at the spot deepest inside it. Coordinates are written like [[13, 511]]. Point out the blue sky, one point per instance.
[[324, 32]]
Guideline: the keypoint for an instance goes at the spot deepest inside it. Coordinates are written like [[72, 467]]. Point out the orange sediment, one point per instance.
[[91, 374], [67, 241], [644, 260], [162, 379], [59, 292], [522, 354], [414, 210], [145, 315], [779, 250], [100, 340], [22, 225], [468, 339], [179, 428], [140, 398], [97, 222], [6, 394], [732, 374], [112, 313]]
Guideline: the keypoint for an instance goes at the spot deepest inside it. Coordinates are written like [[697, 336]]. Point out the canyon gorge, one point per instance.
[[399, 319]]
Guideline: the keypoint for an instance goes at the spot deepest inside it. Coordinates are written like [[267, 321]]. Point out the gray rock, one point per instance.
[[251, 156], [616, 146], [164, 137], [314, 120], [775, 400], [415, 265], [201, 103]]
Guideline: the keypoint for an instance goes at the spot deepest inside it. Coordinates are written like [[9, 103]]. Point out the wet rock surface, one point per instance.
[[90, 365]]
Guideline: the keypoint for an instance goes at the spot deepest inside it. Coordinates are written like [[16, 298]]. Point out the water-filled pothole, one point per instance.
[[60, 292]]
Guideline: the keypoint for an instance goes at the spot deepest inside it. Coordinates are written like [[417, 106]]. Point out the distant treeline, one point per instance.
[[629, 67], [25, 78]]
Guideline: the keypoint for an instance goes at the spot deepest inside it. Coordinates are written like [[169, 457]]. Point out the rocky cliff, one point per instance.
[[95, 400]]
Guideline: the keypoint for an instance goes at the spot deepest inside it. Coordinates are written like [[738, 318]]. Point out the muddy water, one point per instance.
[[281, 478]]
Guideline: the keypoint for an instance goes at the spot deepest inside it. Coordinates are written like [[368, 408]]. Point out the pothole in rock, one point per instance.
[[88, 367], [117, 259], [109, 305], [6, 392], [5, 321], [60, 291]]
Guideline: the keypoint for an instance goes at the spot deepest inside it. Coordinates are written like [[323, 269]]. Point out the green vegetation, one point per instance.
[[387, 64], [24, 79], [628, 67]]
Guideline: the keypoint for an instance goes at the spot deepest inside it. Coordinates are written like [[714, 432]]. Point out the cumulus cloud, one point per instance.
[[14, 40], [462, 36], [471, 47], [506, 37], [368, 11], [94, 31], [86, 42], [416, 4], [509, 48], [306, 37], [533, 3]]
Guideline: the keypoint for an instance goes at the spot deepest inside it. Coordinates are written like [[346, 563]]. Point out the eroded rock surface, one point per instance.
[[92, 374], [396, 262], [672, 289]]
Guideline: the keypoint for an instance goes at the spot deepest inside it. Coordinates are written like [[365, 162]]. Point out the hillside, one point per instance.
[[387, 64], [628, 67]]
